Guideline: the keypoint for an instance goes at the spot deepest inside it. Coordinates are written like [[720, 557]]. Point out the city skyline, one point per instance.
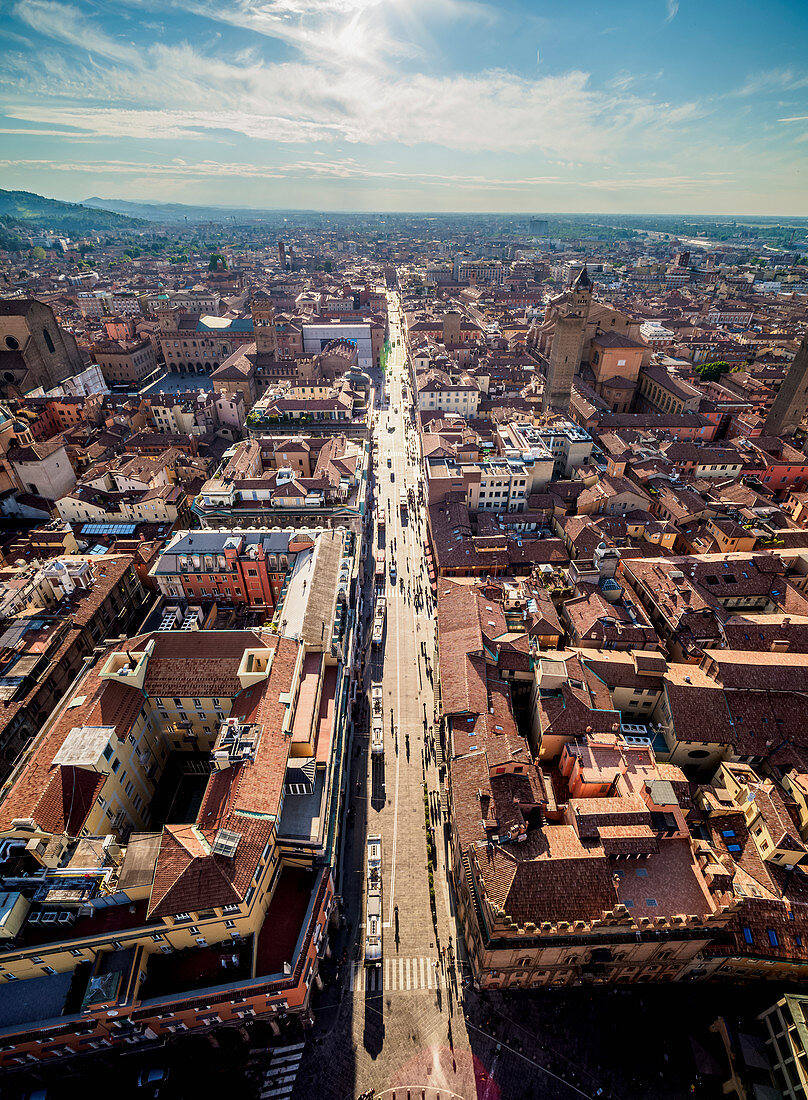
[[455, 105]]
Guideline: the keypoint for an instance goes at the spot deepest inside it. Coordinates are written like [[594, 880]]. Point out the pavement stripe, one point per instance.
[[288, 1049], [423, 982], [281, 1070], [400, 973], [407, 964], [386, 973], [428, 974], [287, 1059], [352, 977]]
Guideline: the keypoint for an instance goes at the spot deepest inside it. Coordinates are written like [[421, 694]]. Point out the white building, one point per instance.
[[655, 334], [439, 392], [316, 336]]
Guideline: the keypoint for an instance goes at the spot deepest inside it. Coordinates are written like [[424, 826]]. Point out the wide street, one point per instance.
[[396, 1026]]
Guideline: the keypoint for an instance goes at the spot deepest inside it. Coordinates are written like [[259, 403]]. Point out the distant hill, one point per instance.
[[30, 211], [174, 213]]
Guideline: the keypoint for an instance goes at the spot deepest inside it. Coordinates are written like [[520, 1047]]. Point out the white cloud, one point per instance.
[[672, 10], [70, 25], [772, 80], [559, 116]]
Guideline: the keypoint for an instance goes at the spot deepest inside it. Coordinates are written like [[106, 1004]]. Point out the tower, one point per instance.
[[568, 343], [791, 401], [451, 327], [263, 315]]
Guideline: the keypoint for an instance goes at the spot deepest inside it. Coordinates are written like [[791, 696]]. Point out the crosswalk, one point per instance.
[[280, 1074], [395, 975]]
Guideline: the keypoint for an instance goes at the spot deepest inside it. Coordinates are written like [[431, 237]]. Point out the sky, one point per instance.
[[656, 106]]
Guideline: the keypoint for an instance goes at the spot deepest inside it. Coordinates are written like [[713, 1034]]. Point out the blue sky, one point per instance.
[[694, 106]]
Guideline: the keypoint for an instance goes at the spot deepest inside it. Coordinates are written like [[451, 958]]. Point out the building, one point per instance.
[[483, 272], [34, 351], [572, 313], [199, 344], [367, 336], [786, 1038], [791, 402], [161, 914], [538, 227], [44, 468], [490, 484], [577, 869], [615, 360], [438, 391], [290, 477], [125, 363], [251, 568], [53, 617]]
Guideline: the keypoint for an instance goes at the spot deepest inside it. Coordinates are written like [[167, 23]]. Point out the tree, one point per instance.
[[38, 253], [711, 372], [216, 259]]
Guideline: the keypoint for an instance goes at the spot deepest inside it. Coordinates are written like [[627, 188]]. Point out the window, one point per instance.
[[773, 940], [727, 832], [733, 848], [747, 935], [48, 341]]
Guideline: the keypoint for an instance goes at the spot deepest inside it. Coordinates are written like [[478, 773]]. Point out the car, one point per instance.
[[152, 1079], [389, 461], [392, 475]]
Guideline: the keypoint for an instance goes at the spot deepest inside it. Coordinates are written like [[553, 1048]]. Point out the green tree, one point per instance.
[[711, 372], [215, 259], [38, 253]]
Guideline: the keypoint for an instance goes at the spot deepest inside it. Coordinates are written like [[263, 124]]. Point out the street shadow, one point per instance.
[[373, 1033], [378, 795]]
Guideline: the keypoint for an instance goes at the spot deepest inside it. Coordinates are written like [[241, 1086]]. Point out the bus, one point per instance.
[[373, 924], [380, 570], [378, 620], [402, 501]]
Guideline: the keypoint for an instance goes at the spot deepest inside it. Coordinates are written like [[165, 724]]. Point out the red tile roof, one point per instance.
[[67, 799]]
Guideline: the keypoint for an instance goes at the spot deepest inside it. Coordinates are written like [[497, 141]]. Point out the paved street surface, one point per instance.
[[397, 1026]]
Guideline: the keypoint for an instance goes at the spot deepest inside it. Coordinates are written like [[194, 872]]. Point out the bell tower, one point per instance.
[[568, 343], [263, 315]]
